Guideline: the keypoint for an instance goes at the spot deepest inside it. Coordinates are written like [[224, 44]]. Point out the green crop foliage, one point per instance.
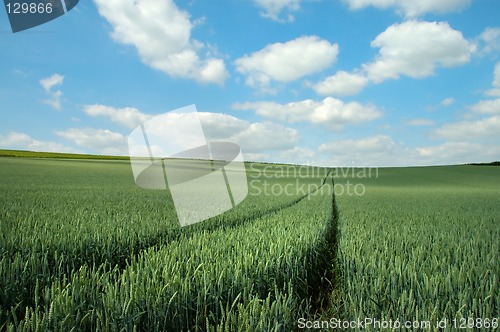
[[422, 244], [267, 267], [83, 248], [69, 227]]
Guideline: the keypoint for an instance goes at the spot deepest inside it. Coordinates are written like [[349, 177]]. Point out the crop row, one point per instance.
[[59, 218], [260, 275], [423, 251]]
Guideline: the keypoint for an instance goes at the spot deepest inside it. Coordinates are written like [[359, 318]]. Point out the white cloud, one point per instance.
[[55, 96], [468, 141], [130, 117], [420, 122], [374, 144], [341, 84], [257, 156], [219, 126], [274, 8], [489, 41], [295, 155], [254, 137], [298, 155], [412, 48], [161, 33], [457, 153], [487, 129], [415, 49], [286, 62], [55, 101], [101, 141], [486, 107], [382, 150], [330, 112], [496, 80], [21, 141], [412, 8], [262, 136], [449, 149], [49, 82], [447, 102], [495, 92], [376, 150]]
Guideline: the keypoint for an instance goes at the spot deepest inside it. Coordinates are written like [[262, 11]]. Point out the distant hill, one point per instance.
[[61, 155], [34, 154]]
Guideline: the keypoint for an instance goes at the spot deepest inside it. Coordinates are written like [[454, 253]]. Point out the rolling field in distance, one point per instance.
[[57, 155], [82, 247]]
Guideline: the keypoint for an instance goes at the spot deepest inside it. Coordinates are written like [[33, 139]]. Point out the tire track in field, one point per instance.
[[122, 258], [328, 299], [193, 229], [323, 289]]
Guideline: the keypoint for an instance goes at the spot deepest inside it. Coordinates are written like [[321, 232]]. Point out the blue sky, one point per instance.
[[327, 82]]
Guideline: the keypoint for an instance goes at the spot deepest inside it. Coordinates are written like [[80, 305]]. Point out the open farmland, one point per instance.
[[83, 248], [422, 244]]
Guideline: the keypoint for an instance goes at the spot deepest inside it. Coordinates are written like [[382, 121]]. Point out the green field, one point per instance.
[[83, 248], [57, 155], [79, 235], [422, 244]]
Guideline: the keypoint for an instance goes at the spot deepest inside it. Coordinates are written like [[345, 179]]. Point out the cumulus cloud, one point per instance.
[[495, 91], [415, 49], [447, 102], [412, 48], [369, 151], [411, 8], [161, 33], [341, 84], [447, 150], [382, 150], [286, 62], [374, 144], [48, 84], [461, 152], [470, 140], [486, 107], [496, 80], [489, 41], [21, 141], [129, 117], [298, 155], [272, 9], [263, 136], [255, 137], [101, 141], [466, 141], [486, 129], [219, 126], [331, 112]]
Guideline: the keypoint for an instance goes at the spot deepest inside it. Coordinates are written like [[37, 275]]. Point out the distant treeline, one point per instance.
[[34, 154], [493, 163]]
